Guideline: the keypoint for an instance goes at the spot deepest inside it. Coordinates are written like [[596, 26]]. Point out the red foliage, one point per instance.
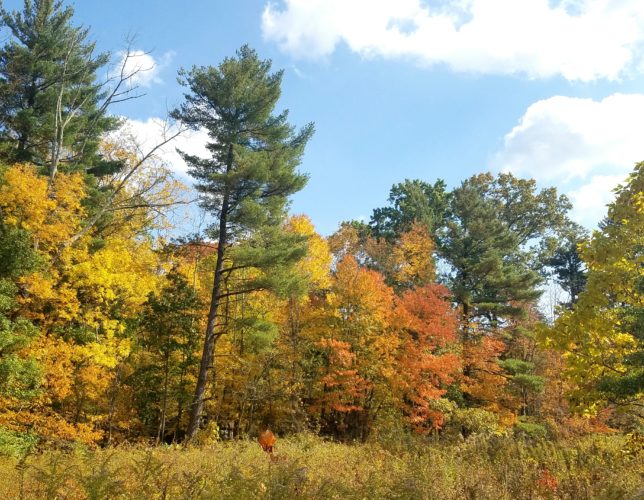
[[547, 482]]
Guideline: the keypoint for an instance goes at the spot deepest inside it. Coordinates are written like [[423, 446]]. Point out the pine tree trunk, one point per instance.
[[211, 334]]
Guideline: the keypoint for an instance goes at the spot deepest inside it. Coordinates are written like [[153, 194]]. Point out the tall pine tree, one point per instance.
[[245, 185]]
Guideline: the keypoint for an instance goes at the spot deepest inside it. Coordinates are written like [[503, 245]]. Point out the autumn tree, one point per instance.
[[428, 361], [405, 260], [601, 337], [245, 184], [358, 345], [353, 238], [83, 300]]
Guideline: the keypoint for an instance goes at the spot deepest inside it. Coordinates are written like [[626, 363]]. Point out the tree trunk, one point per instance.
[[164, 405], [211, 334]]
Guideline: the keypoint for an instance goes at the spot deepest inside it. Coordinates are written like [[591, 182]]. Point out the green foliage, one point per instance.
[[522, 376], [566, 263], [493, 223], [17, 256], [245, 185], [530, 430], [165, 363], [273, 251], [411, 201], [49, 96], [13, 444], [527, 381], [516, 366], [20, 375], [251, 173]]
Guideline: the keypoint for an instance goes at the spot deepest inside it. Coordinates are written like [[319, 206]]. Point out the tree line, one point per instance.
[[425, 319]]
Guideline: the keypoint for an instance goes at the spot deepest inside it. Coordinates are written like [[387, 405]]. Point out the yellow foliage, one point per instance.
[[121, 274], [317, 263], [598, 338], [412, 256], [51, 217], [56, 357], [49, 300], [106, 353]]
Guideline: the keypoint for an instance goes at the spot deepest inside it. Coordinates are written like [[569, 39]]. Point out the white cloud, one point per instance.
[[562, 138], [150, 132], [590, 200], [585, 147], [143, 67], [577, 39]]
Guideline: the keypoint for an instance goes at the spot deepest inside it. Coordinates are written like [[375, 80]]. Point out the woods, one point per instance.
[[426, 322]]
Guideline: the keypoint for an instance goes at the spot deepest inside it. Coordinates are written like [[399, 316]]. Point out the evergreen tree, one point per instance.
[[245, 184], [492, 246], [167, 363], [52, 109], [488, 271], [492, 243], [411, 201], [567, 266], [19, 375]]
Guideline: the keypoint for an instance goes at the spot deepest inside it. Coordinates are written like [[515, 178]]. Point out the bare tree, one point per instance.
[[72, 99], [126, 192]]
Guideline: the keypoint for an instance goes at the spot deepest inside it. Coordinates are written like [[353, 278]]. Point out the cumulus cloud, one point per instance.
[[586, 147], [151, 132], [578, 39], [143, 67], [590, 200], [562, 138]]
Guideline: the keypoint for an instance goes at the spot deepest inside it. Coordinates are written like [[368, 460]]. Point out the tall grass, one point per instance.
[[305, 466]]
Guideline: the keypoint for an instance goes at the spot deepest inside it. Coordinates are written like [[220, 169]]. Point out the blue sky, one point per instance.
[[413, 89]]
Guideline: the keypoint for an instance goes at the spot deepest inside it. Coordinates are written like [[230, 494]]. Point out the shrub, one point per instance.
[[14, 444]]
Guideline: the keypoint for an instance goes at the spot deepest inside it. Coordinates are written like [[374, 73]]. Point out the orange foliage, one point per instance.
[[483, 378], [344, 388], [428, 328], [48, 425], [267, 440], [547, 482]]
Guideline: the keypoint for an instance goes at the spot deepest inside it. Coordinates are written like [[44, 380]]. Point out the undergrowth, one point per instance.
[[305, 466]]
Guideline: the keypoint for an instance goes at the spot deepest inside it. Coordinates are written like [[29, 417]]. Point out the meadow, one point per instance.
[[305, 466]]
